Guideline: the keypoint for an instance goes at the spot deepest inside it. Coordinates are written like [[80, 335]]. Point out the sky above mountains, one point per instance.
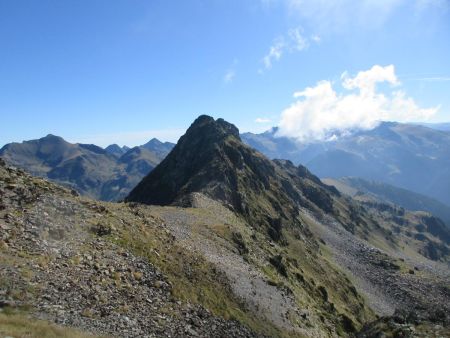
[[104, 72]]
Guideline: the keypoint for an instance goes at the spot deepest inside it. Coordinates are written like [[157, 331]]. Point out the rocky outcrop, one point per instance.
[[211, 159]]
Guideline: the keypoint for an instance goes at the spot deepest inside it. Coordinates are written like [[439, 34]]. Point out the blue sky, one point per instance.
[[103, 71]]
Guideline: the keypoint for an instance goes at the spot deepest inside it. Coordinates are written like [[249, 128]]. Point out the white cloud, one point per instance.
[[320, 112], [332, 15], [263, 120], [293, 41], [422, 5], [367, 80], [316, 38], [297, 40], [275, 52], [343, 13], [230, 74]]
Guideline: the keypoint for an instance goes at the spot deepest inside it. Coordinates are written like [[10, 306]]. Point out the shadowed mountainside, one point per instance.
[[105, 174], [211, 158]]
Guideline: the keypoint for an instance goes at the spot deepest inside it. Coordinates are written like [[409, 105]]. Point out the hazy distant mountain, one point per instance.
[[437, 126], [407, 199], [410, 156], [116, 150], [158, 147], [106, 174]]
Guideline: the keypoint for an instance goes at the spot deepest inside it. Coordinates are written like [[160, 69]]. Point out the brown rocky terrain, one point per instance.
[[60, 263]]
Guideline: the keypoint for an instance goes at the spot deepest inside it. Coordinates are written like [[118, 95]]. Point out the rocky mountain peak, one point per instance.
[[209, 157], [154, 142], [52, 137], [115, 149], [215, 129], [212, 160]]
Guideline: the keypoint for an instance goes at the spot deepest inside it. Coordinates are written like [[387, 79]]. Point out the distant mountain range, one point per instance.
[[412, 157], [361, 189], [408, 156], [106, 174]]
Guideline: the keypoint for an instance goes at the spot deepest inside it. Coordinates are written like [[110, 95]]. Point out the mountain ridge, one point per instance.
[[389, 193], [107, 174], [409, 156]]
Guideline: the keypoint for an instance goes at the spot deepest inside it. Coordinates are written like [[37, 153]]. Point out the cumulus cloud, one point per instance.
[[293, 40], [321, 113]]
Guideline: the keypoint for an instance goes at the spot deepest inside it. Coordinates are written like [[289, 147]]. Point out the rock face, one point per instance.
[[106, 174], [211, 159]]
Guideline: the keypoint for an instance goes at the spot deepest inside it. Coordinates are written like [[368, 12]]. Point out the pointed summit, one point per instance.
[[212, 160], [115, 150], [159, 148], [198, 160]]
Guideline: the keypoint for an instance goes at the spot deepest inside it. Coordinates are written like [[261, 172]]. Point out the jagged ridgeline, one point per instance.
[[273, 195], [106, 174], [211, 159]]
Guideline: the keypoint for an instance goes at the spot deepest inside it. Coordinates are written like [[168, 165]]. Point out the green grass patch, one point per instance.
[[19, 325]]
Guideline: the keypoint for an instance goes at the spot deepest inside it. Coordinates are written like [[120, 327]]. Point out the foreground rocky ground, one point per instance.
[[57, 265], [129, 270]]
